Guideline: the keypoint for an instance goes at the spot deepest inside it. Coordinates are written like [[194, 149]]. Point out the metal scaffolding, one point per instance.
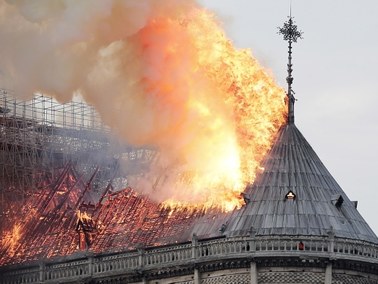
[[40, 136]]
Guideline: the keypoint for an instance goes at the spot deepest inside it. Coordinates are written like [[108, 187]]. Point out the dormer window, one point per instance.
[[246, 197], [355, 204], [337, 200], [290, 195]]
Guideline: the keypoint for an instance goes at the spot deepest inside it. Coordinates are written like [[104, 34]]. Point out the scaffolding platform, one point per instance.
[[38, 137]]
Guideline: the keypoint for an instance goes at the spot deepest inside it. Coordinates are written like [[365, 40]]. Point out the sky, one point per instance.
[[335, 79]]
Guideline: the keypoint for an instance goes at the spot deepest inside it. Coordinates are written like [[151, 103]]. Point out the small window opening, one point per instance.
[[246, 198], [290, 195], [301, 245], [337, 200]]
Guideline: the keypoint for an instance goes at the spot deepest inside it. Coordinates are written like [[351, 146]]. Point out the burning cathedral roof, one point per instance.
[[292, 194]]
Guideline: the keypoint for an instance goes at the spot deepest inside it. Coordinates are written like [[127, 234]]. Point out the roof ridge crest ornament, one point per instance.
[[291, 34]]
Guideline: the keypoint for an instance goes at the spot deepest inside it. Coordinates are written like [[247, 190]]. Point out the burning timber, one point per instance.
[[59, 195], [65, 217]]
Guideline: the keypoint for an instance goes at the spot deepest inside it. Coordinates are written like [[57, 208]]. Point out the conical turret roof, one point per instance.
[[296, 195]]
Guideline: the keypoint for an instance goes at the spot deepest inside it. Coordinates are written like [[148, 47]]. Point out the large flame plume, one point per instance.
[[160, 73]]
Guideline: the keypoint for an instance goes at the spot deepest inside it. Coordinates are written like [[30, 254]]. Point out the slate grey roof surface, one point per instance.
[[292, 165]]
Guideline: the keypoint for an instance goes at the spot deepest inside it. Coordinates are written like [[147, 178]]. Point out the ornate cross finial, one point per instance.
[[291, 34], [290, 31]]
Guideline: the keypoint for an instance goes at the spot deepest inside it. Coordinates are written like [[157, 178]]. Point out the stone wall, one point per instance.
[[232, 276], [291, 275], [272, 275], [352, 277]]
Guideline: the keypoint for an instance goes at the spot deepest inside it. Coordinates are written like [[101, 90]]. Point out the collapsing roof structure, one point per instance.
[[65, 218]]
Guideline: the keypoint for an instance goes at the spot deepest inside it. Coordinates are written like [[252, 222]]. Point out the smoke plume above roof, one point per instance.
[[159, 73]]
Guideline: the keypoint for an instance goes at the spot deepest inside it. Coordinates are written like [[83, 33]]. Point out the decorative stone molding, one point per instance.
[[226, 279], [291, 277]]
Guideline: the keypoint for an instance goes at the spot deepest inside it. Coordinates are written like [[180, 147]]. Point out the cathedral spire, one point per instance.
[[291, 34]]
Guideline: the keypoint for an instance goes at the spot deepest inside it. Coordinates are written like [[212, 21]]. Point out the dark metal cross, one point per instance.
[[290, 31]]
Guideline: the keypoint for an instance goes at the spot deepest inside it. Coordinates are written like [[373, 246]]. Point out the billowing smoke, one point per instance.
[[160, 73]]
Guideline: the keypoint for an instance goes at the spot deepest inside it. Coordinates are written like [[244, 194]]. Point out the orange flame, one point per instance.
[[236, 111], [159, 73], [82, 216], [11, 239]]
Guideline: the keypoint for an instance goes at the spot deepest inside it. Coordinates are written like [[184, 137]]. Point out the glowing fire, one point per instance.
[[168, 78], [83, 216], [159, 73], [236, 112], [11, 239]]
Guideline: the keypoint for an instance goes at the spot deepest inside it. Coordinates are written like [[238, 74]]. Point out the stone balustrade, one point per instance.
[[159, 256], [113, 263], [199, 251]]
